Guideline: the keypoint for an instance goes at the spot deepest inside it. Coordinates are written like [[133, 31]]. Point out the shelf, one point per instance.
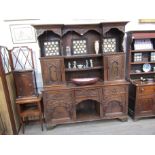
[[142, 73], [87, 116], [140, 51], [82, 56], [83, 69], [138, 63]]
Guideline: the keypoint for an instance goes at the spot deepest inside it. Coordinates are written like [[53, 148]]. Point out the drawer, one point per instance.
[[59, 95], [84, 93], [113, 90], [144, 90]]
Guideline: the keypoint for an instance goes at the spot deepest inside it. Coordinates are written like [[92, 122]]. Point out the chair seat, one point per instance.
[[29, 113], [30, 107], [28, 99]]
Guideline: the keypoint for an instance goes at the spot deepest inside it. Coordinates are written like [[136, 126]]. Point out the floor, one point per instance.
[[104, 127]]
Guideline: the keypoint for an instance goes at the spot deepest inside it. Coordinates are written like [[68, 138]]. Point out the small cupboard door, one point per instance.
[[52, 70], [145, 105], [114, 67]]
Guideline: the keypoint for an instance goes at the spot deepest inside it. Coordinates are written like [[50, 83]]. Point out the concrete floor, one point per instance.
[[103, 127]]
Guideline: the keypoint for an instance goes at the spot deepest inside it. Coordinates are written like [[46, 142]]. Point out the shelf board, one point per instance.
[[138, 63], [83, 69], [140, 51], [142, 73], [82, 56], [87, 116]]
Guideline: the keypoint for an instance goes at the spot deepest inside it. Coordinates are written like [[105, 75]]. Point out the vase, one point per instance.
[[96, 45]]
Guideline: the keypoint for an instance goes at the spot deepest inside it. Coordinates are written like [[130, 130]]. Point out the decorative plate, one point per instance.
[[146, 67]]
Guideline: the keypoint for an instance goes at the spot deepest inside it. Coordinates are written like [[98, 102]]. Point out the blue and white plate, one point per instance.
[[146, 67]]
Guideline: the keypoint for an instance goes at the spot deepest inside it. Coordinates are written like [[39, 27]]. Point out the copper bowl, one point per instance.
[[85, 81]]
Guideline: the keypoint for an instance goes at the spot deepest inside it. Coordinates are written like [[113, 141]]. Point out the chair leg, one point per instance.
[[41, 122], [23, 125]]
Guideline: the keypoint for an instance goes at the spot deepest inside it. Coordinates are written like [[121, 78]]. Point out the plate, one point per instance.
[[146, 67]]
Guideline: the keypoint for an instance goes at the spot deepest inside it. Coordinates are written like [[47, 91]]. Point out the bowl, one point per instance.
[[85, 81], [80, 66]]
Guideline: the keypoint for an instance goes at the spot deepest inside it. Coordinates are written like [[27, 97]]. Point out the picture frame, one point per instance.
[[22, 34]]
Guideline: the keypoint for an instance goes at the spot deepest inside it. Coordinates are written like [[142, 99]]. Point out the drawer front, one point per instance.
[[144, 90], [114, 90], [58, 96], [86, 93]]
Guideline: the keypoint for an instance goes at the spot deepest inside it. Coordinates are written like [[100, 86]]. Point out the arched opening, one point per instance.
[[49, 43], [88, 109], [118, 35]]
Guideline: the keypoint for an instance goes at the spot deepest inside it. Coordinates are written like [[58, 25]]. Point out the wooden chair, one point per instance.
[[30, 107]]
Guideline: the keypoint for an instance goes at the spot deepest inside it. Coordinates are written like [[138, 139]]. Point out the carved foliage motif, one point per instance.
[[114, 90]]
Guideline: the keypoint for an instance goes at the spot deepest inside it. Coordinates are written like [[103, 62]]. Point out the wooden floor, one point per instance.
[[104, 127]]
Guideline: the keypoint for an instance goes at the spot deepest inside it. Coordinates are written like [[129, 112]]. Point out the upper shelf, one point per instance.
[[140, 51], [82, 56]]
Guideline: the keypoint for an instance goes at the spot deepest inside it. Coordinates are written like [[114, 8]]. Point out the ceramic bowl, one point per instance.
[[84, 81], [80, 66]]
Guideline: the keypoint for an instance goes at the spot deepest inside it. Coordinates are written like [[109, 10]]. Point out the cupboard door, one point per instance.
[[115, 100], [58, 106], [145, 105], [52, 70], [114, 67], [115, 105]]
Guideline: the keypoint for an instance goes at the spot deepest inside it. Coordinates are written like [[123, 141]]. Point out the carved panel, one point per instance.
[[58, 105], [115, 105], [81, 31], [114, 67], [114, 90], [52, 70], [146, 105], [88, 94]]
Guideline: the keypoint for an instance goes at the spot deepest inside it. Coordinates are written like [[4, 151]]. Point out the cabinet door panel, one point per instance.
[[58, 106], [115, 105], [114, 67], [146, 105], [52, 70]]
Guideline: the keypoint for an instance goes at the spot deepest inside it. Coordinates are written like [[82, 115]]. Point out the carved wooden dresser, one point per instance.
[[68, 52]]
